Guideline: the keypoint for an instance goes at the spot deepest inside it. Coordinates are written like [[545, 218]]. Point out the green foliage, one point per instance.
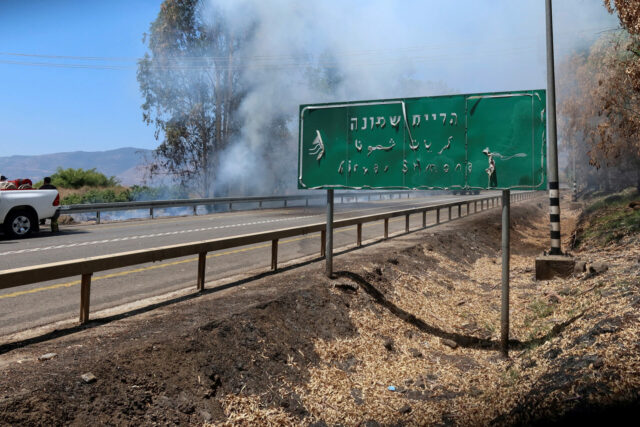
[[609, 219], [135, 193], [613, 201], [76, 178], [98, 196]]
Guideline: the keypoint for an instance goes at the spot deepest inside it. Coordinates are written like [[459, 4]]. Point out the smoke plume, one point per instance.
[[297, 52]]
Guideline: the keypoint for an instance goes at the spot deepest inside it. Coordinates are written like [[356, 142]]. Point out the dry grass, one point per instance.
[[471, 385]]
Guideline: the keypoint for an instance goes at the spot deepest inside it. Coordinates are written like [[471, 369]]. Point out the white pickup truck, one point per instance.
[[21, 210]]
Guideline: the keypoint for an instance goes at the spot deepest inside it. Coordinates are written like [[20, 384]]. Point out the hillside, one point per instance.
[[123, 163]]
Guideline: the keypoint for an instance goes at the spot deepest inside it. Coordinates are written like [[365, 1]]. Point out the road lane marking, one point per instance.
[[170, 264], [170, 233], [146, 236]]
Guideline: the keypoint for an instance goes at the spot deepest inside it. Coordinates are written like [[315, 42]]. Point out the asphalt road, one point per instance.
[[43, 303]]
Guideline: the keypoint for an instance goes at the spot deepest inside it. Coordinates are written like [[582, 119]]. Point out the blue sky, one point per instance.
[[466, 45], [47, 109]]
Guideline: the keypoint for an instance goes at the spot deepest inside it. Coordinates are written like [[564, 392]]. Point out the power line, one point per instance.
[[361, 57], [240, 64]]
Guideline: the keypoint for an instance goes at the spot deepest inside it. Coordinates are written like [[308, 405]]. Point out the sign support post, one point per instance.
[[504, 315], [329, 239]]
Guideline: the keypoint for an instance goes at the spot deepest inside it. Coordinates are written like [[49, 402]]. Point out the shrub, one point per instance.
[[76, 178]]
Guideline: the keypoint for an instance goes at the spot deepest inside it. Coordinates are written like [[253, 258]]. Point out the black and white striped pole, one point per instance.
[[552, 175]]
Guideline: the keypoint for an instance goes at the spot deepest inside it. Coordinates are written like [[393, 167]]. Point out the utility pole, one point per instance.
[[554, 186], [555, 263]]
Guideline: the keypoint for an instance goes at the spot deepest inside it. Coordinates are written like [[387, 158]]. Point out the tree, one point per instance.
[[190, 84], [77, 178], [628, 12], [600, 110]]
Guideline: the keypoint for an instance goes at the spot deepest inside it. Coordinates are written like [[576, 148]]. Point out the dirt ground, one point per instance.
[[405, 334]]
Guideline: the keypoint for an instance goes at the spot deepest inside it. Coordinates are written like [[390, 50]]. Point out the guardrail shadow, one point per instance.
[[462, 340]]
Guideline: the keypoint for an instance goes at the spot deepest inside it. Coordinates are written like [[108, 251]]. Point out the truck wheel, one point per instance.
[[19, 224]]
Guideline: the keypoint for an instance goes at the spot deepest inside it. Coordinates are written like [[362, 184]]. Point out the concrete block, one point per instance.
[[550, 266]]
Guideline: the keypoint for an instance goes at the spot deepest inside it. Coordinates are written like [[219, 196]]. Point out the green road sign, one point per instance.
[[479, 141]]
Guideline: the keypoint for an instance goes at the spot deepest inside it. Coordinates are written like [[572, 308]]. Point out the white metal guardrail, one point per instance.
[[85, 267], [97, 208]]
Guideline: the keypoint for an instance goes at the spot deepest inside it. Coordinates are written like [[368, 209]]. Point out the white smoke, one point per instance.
[[378, 49]]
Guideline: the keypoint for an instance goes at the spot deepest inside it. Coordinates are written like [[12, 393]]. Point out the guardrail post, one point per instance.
[[274, 254], [459, 210], [323, 243], [202, 261], [468, 208], [386, 228], [475, 206], [437, 215], [306, 203], [195, 210], [260, 204], [151, 212], [424, 219], [449, 213], [85, 292], [98, 217], [230, 205], [359, 238], [285, 203], [406, 223]]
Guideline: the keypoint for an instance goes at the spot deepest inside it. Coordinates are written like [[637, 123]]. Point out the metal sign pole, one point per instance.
[[504, 315], [554, 187], [329, 240]]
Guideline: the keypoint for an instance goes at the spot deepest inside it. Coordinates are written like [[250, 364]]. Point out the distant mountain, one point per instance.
[[123, 163]]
